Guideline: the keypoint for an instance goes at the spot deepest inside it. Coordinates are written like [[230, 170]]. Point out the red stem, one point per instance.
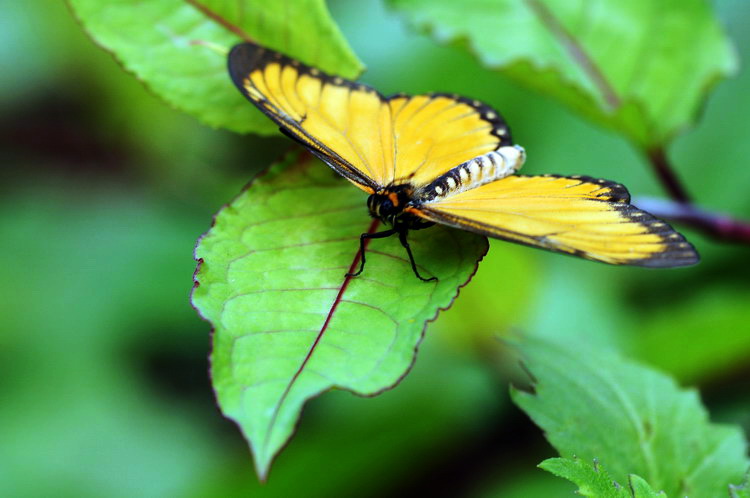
[[667, 175], [681, 209]]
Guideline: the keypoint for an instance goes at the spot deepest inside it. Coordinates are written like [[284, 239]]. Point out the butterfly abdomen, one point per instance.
[[475, 172]]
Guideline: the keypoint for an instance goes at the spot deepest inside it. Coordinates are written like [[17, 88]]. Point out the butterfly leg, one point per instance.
[[402, 238], [362, 238]]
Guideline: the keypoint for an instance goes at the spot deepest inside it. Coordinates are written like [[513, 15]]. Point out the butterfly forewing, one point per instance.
[[308, 105], [370, 139], [576, 215]]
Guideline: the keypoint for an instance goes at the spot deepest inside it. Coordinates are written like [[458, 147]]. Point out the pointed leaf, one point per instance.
[[596, 405], [640, 67], [594, 481], [288, 323], [178, 47]]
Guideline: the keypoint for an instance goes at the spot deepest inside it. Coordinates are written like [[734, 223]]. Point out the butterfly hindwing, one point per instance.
[[582, 216], [372, 140], [437, 131]]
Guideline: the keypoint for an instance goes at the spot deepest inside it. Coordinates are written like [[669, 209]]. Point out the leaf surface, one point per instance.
[[595, 482], [288, 324], [640, 67], [178, 48], [594, 404]]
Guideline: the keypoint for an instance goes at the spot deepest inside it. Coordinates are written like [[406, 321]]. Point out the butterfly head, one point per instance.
[[388, 205]]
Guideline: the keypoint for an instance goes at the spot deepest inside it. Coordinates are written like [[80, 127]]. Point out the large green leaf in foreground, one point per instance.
[[288, 323], [639, 66], [594, 404], [178, 47]]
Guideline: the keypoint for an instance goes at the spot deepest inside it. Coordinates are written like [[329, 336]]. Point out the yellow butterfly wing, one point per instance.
[[372, 140], [433, 133], [575, 215]]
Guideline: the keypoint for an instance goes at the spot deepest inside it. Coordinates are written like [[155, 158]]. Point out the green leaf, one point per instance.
[[639, 488], [596, 405], [700, 355], [741, 490], [288, 323], [640, 67], [594, 481], [178, 48], [80, 402]]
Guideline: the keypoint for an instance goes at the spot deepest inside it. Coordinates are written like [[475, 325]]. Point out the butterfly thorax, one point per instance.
[[388, 206]]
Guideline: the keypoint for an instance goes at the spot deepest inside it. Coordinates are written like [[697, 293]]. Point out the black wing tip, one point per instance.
[[678, 253], [617, 191], [246, 57], [243, 58], [670, 259], [241, 49]]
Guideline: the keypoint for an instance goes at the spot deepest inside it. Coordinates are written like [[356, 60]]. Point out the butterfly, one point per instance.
[[442, 158]]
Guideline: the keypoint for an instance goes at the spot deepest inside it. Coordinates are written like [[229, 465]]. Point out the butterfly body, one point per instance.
[[442, 158], [388, 205], [474, 173]]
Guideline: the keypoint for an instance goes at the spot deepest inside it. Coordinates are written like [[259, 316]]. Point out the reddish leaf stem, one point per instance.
[[667, 175], [718, 226], [220, 20], [681, 208]]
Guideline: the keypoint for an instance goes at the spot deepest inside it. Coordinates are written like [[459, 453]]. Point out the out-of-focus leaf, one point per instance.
[[525, 483], [703, 341], [178, 48], [595, 482], [288, 324], [640, 67], [79, 403], [594, 404]]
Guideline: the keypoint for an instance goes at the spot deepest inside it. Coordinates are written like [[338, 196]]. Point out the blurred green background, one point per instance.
[[103, 363]]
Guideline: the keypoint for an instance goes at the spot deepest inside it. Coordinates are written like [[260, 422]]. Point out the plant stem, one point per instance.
[[681, 208], [718, 226], [667, 175]]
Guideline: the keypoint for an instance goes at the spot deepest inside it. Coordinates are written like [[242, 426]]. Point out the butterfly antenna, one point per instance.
[[402, 238]]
